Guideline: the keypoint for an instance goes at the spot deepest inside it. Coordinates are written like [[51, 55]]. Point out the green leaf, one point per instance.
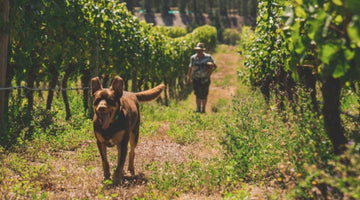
[[337, 2], [313, 29], [300, 2], [338, 19], [300, 12], [327, 52], [354, 33], [349, 55], [299, 46], [340, 69], [105, 18]]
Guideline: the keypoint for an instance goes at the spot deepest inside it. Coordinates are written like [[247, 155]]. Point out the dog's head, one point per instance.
[[106, 101]]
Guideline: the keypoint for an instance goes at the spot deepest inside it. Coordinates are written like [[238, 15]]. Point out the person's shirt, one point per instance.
[[199, 70]]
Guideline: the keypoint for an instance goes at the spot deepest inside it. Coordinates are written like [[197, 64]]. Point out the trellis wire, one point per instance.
[[42, 89]]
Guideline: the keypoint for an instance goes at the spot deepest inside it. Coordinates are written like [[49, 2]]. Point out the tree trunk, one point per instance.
[[223, 9], [30, 83], [146, 84], [172, 90], [68, 72], [9, 77], [211, 6], [148, 6], [331, 89], [308, 79], [182, 6], [19, 91], [129, 5], [195, 8], [165, 9], [166, 93], [245, 12], [181, 82], [39, 92], [126, 84], [4, 38], [29, 92], [85, 83], [265, 88], [105, 80], [52, 85], [134, 82]]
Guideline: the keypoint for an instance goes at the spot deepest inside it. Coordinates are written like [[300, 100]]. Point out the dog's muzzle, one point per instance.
[[103, 117]]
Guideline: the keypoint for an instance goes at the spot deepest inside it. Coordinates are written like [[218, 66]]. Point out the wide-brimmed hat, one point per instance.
[[200, 46]]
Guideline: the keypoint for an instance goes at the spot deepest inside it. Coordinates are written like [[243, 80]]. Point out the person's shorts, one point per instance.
[[201, 87]]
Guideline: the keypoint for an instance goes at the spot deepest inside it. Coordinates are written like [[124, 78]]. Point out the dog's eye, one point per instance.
[[97, 101], [110, 102]]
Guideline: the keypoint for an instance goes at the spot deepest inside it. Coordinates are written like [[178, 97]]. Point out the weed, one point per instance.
[[220, 105]]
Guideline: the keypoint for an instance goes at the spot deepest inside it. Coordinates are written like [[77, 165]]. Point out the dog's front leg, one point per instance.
[[133, 141], [122, 151], [105, 163]]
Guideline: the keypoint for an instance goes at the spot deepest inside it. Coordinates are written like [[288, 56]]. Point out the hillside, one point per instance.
[[182, 20]]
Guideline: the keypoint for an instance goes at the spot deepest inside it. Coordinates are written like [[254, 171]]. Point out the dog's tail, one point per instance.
[[151, 94]]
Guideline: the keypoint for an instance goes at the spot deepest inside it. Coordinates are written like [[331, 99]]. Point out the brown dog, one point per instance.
[[116, 121]]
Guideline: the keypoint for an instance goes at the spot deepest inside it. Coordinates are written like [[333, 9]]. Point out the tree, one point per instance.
[[148, 6], [165, 8], [182, 6], [4, 37]]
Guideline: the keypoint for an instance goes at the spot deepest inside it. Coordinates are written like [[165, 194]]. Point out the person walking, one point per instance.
[[201, 67]]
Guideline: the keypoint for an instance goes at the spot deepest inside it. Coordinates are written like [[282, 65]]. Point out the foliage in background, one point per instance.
[[231, 36], [196, 8], [246, 38], [171, 31]]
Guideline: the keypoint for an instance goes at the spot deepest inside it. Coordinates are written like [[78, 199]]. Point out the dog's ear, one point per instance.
[[95, 85], [118, 85]]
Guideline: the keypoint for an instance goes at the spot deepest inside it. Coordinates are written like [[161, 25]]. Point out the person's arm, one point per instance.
[[212, 66], [190, 72]]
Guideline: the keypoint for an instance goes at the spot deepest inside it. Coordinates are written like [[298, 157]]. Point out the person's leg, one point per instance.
[[196, 87], [204, 97], [198, 104], [203, 105]]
